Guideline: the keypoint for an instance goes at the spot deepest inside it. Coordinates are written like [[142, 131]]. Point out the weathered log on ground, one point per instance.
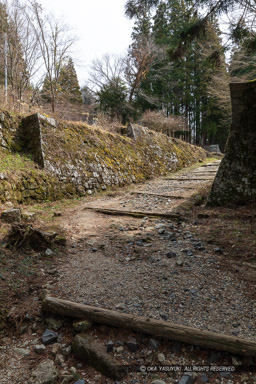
[[187, 179], [156, 194], [205, 173], [181, 187], [150, 326], [117, 212]]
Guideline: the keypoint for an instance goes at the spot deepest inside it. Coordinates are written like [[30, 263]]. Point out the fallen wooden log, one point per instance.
[[204, 172], [156, 194], [181, 187], [210, 165], [150, 326], [187, 179], [117, 212]]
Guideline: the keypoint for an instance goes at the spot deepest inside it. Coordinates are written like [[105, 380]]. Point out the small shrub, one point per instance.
[[157, 121]]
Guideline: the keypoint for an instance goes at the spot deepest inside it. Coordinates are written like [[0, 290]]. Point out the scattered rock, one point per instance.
[[48, 252], [57, 214], [45, 373], [40, 349], [82, 325], [226, 375], [110, 346], [204, 378], [236, 362], [120, 306], [11, 215], [161, 357], [60, 360], [186, 380], [66, 351], [55, 348], [179, 263], [87, 349], [160, 226], [164, 316], [22, 351], [171, 255], [67, 379], [53, 323], [49, 337], [132, 344], [244, 378], [157, 381], [154, 344], [59, 339], [28, 216]]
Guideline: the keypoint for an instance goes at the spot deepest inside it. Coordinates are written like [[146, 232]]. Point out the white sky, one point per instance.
[[100, 26]]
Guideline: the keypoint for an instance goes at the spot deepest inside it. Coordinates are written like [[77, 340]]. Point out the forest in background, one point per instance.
[[174, 77]]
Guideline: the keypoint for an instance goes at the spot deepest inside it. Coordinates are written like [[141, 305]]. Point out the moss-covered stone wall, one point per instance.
[[75, 159], [235, 182]]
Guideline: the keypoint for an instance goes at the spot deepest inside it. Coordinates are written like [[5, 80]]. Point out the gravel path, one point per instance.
[[156, 268], [150, 267]]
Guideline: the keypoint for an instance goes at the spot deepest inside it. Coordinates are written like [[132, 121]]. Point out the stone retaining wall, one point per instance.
[[76, 159]]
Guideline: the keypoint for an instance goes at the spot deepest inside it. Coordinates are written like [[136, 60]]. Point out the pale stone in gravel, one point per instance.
[[55, 348], [60, 360], [22, 351], [161, 357], [53, 323], [66, 351], [45, 373], [39, 348]]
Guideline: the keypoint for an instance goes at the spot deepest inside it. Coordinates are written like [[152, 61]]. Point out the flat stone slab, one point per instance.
[[87, 349]]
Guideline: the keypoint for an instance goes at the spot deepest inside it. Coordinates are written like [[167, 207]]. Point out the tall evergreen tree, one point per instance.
[[68, 83], [183, 86], [112, 98], [67, 86]]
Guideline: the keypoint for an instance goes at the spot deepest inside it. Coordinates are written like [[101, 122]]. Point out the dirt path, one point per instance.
[[155, 267], [159, 195]]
